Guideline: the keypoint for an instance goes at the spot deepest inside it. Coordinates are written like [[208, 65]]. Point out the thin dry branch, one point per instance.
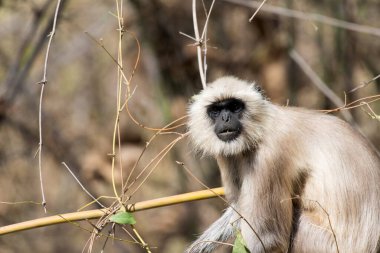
[[326, 213], [357, 103], [370, 111], [330, 225], [319, 83], [156, 160], [126, 187], [120, 74], [315, 17], [43, 82], [166, 128], [121, 105], [95, 214], [364, 84], [81, 185], [257, 10], [201, 40], [204, 38], [199, 44]]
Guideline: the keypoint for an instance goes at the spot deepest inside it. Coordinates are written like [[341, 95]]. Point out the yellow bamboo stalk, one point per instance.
[[95, 214]]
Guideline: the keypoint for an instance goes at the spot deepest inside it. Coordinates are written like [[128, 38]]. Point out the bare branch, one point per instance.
[[199, 44], [310, 17], [95, 214], [204, 39], [319, 83], [81, 185], [364, 84], [257, 10], [43, 82]]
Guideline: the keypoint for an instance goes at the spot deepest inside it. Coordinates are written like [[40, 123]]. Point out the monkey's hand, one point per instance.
[[220, 231]]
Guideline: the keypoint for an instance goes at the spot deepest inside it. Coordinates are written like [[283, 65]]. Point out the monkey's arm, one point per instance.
[[220, 231]]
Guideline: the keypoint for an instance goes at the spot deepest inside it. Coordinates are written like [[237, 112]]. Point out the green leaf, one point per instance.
[[123, 218], [239, 245]]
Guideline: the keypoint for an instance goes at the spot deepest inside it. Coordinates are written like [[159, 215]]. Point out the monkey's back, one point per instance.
[[339, 192]]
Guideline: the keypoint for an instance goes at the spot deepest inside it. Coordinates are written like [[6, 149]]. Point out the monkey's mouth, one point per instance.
[[228, 135]]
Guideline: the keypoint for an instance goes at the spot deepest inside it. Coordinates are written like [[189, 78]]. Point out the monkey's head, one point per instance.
[[227, 117]]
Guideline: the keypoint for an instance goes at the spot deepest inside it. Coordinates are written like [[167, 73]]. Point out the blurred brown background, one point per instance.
[[80, 100]]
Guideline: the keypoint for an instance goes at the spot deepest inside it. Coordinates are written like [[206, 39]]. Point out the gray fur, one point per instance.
[[221, 230], [287, 169]]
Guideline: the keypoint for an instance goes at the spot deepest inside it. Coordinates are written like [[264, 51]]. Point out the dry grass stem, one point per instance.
[[141, 240], [370, 111], [167, 127], [157, 159]]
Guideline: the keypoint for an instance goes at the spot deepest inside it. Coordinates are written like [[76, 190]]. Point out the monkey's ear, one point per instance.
[[258, 88]]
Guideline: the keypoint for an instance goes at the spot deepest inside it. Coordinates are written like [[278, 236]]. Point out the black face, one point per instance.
[[226, 115]]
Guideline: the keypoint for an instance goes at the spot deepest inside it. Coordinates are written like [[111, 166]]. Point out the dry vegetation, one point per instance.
[[80, 100]]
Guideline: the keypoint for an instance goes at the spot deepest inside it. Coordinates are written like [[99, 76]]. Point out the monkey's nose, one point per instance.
[[226, 117]]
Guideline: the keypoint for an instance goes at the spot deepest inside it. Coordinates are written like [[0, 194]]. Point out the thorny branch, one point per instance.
[[43, 82]]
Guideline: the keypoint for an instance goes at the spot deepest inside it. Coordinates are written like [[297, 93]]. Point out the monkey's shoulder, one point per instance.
[[304, 123], [318, 129], [316, 118]]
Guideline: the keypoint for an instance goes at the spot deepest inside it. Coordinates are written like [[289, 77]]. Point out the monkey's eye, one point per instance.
[[236, 106], [213, 112]]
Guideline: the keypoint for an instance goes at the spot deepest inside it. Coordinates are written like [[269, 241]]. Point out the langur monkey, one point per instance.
[[303, 181]]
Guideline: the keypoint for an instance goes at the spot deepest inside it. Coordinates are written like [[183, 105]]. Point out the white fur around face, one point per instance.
[[201, 127]]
